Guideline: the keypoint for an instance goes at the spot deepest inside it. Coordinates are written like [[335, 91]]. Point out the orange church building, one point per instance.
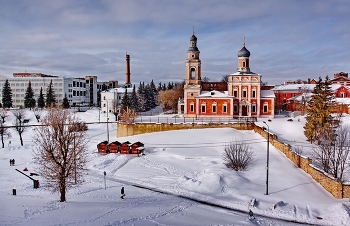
[[240, 96]]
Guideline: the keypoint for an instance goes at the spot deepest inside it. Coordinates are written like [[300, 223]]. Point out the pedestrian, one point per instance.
[[10, 162], [13, 162], [251, 215], [122, 192]]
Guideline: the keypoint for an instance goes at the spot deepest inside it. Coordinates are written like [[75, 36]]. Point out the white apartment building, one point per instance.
[[19, 87], [111, 99]]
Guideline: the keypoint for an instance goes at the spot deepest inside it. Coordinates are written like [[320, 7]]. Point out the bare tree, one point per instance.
[[3, 114], [20, 128], [4, 133], [19, 114], [305, 98], [128, 116], [168, 99], [237, 156], [37, 112], [61, 150], [19, 125], [333, 152]]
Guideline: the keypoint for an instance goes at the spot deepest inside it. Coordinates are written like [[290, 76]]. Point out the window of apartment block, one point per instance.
[[74, 93]]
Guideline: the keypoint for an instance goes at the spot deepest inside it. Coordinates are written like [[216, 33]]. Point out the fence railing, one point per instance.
[[154, 119]]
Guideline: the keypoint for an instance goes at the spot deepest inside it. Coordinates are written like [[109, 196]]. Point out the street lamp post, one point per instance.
[[267, 159]]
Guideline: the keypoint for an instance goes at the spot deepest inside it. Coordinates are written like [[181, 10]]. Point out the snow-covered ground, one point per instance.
[[180, 181]]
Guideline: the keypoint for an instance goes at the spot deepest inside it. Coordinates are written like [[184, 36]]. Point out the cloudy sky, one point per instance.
[[291, 39]]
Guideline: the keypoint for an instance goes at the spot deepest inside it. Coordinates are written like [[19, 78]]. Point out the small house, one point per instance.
[[125, 148], [137, 148], [102, 147], [114, 147]]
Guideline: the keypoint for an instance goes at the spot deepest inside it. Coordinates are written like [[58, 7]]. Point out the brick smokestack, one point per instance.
[[127, 78]]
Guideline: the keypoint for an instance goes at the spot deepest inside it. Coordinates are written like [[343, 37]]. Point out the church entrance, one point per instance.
[[244, 110]]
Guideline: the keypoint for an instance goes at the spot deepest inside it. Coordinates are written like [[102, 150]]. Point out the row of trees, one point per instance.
[[325, 129], [29, 98]]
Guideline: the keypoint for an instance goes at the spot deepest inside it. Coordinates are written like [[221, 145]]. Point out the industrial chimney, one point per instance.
[[127, 79]]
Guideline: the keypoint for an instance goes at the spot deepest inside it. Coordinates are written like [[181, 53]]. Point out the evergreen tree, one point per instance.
[[7, 95], [65, 103], [134, 102], [125, 101], [170, 86], [154, 94], [29, 101], [41, 100], [50, 96], [141, 95], [319, 121], [148, 96], [159, 86]]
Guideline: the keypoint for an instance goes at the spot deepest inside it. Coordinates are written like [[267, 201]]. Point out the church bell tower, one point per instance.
[[193, 63]]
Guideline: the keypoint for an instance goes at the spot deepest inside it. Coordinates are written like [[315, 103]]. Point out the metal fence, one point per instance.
[[155, 119]]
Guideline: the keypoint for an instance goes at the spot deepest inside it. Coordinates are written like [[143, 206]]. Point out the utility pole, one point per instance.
[[104, 173], [267, 159]]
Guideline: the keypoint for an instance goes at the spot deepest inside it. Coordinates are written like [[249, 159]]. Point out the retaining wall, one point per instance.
[[124, 129], [333, 186]]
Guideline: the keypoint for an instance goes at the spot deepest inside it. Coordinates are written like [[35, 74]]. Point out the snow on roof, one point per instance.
[[297, 87], [244, 73], [267, 93], [343, 100], [118, 90], [213, 93], [300, 97], [294, 87]]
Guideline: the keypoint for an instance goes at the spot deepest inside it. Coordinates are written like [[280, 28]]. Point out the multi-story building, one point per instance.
[[19, 85], [76, 92], [111, 99], [79, 91], [240, 96]]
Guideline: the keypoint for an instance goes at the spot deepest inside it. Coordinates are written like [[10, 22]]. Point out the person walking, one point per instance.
[[251, 215], [122, 192]]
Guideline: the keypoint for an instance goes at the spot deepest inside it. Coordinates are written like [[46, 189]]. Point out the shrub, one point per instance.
[[237, 156]]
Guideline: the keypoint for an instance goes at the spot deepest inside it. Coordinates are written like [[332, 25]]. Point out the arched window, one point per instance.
[[235, 92], [254, 93], [193, 73], [224, 108], [203, 108], [213, 107], [192, 107], [266, 107]]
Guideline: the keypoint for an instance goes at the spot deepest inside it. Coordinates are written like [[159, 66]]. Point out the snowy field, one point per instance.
[[180, 181]]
